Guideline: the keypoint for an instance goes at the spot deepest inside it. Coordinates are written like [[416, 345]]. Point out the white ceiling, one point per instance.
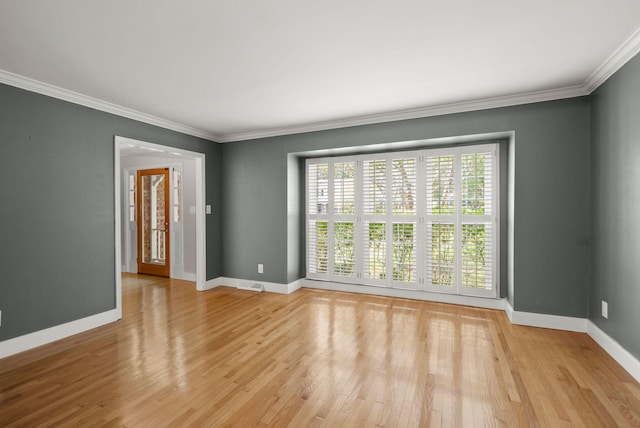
[[236, 69]]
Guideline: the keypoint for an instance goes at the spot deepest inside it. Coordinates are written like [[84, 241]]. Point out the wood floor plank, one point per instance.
[[229, 357]]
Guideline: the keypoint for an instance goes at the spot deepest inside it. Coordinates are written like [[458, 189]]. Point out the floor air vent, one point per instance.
[[256, 286]]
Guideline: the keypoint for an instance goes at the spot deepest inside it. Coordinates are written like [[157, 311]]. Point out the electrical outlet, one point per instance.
[[260, 268], [605, 309], [0, 317]]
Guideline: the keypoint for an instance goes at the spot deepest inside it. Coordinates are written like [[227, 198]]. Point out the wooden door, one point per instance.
[[153, 206]]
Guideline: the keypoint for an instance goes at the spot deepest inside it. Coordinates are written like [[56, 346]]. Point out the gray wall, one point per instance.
[[551, 204], [57, 208], [56, 182], [615, 163]]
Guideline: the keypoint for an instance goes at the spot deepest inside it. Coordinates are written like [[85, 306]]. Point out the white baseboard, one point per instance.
[[508, 309], [479, 302], [212, 283], [51, 334], [629, 362], [581, 325], [294, 286], [188, 276], [555, 322]]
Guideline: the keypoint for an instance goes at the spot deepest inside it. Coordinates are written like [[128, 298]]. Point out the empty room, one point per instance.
[[319, 214]]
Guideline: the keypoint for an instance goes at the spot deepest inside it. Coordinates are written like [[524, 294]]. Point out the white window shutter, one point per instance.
[[374, 225], [479, 204], [419, 220], [317, 219], [375, 186], [440, 224], [404, 220]]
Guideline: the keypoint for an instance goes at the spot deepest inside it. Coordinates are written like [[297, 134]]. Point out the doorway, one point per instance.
[[153, 219], [124, 145]]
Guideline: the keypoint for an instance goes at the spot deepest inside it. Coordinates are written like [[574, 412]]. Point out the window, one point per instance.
[[131, 200], [176, 197], [423, 220]]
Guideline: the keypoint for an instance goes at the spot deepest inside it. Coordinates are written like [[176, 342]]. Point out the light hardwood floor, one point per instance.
[[228, 357]]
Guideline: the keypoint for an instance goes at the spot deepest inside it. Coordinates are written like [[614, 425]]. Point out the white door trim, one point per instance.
[[199, 159]]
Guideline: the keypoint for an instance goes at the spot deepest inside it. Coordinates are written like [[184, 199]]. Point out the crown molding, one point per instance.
[[615, 62], [461, 107], [33, 85]]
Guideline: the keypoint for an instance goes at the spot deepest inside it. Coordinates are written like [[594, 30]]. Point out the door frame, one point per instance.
[[201, 244], [151, 268]]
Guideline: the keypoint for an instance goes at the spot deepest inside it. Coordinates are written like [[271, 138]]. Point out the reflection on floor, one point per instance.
[[228, 357]]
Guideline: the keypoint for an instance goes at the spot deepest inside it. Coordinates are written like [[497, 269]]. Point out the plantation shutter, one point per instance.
[[440, 222], [461, 220], [317, 220], [374, 224], [344, 175], [403, 221], [479, 220], [424, 220]]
